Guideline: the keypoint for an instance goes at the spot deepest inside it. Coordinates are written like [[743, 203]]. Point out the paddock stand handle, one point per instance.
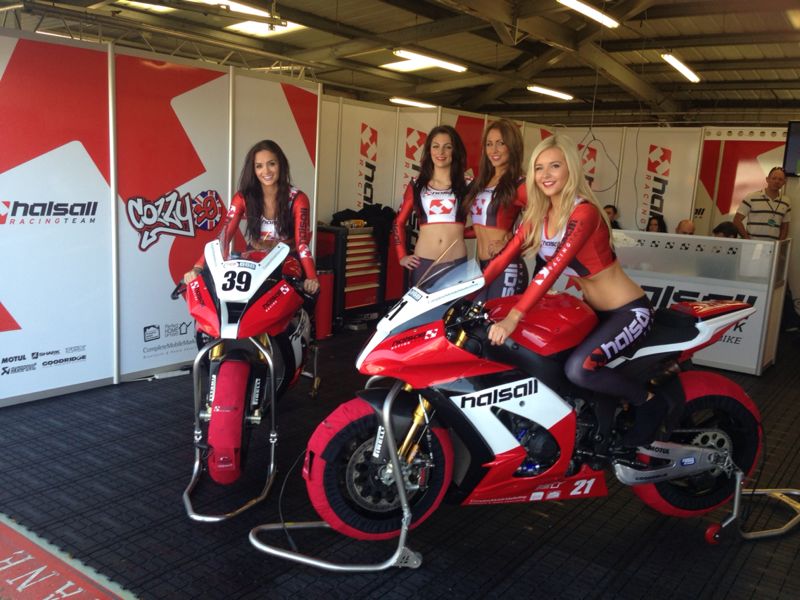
[[782, 495], [402, 557]]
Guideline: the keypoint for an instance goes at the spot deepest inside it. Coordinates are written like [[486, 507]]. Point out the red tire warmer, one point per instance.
[[227, 421]]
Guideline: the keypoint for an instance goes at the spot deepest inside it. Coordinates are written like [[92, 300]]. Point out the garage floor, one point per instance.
[[100, 475]]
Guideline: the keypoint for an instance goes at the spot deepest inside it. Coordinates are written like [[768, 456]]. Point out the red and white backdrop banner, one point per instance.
[[734, 163], [367, 155], [600, 149], [658, 175], [413, 128], [173, 160], [55, 218], [532, 135], [172, 126], [470, 128]]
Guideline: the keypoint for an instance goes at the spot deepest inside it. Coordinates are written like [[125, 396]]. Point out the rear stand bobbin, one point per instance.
[[403, 556], [782, 495]]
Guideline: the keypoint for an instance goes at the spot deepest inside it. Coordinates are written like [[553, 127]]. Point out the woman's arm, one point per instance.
[[232, 219], [399, 227], [301, 214]]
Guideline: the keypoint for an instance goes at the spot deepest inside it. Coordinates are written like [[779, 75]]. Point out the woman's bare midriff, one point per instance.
[[437, 238], [610, 288], [491, 241]]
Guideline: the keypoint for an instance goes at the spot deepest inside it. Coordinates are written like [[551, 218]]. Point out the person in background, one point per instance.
[[494, 201], [611, 211], [437, 197], [767, 211], [274, 210], [566, 226], [656, 224], [726, 229], [685, 227]]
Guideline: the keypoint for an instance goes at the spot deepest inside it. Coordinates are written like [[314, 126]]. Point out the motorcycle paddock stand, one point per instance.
[[312, 374], [782, 495], [198, 438], [403, 556]]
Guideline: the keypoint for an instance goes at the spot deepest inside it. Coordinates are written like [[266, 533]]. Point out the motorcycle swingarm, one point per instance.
[[684, 460]]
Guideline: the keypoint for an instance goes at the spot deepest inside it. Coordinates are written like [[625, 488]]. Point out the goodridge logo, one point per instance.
[[47, 213]]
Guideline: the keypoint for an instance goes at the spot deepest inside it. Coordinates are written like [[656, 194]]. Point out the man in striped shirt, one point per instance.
[[767, 211]]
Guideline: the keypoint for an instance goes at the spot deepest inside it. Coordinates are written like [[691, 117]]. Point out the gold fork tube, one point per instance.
[[417, 421]]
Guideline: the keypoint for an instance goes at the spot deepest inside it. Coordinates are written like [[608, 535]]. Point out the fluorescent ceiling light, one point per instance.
[[682, 68], [404, 66], [156, 8], [548, 92], [407, 102], [591, 12], [257, 29], [429, 61]]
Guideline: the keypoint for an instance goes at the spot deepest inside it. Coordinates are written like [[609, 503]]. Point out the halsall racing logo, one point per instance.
[[46, 213], [500, 393], [415, 145], [656, 180], [173, 214], [367, 164]]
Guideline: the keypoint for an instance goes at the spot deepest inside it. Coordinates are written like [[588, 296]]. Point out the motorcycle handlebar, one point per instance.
[[178, 291], [297, 284]]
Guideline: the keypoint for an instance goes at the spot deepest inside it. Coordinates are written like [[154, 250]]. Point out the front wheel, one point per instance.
[[355, 494], [724, 418]]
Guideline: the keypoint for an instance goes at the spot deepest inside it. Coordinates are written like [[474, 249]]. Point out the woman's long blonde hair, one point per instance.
[[539, 204]]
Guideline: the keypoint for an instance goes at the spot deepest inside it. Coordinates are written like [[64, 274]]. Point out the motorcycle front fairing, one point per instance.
[[221, 301]]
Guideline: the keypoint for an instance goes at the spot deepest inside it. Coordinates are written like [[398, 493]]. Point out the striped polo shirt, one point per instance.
[[764, 215]]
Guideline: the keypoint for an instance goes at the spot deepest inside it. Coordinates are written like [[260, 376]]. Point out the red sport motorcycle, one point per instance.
[[255, 337], [447, 415]]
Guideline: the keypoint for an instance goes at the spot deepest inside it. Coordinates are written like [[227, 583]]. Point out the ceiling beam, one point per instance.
[[723, 39], [552, 57], [692, 8], [370, 42]]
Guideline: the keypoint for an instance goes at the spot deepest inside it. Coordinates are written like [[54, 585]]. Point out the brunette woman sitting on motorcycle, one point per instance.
[[275, 211], [569, 229], [437, 196]]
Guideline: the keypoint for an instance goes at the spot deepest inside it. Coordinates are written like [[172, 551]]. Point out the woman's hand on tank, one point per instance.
[[500, 331], [410, 262], [190, 275], [311, 286]]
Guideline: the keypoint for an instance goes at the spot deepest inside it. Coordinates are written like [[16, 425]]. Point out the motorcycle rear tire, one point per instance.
[[338, 467], [712, 402]]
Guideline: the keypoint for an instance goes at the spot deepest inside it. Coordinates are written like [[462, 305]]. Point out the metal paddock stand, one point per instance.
[[198, 438], [780, 494], [402, 557], [312, 374]]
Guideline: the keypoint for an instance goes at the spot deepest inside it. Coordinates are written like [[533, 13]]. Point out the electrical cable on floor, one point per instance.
[[280, 501]]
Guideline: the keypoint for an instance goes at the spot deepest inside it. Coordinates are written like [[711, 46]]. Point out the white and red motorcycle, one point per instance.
[[256, 336], [449, 416]]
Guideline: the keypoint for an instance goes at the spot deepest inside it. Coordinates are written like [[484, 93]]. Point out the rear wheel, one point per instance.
[[358, 496], [724, 421]]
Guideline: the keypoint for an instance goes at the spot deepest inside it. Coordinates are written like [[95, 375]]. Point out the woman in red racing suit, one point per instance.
[[275, 211], [494, 201], [569, 229], [437, 198]]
